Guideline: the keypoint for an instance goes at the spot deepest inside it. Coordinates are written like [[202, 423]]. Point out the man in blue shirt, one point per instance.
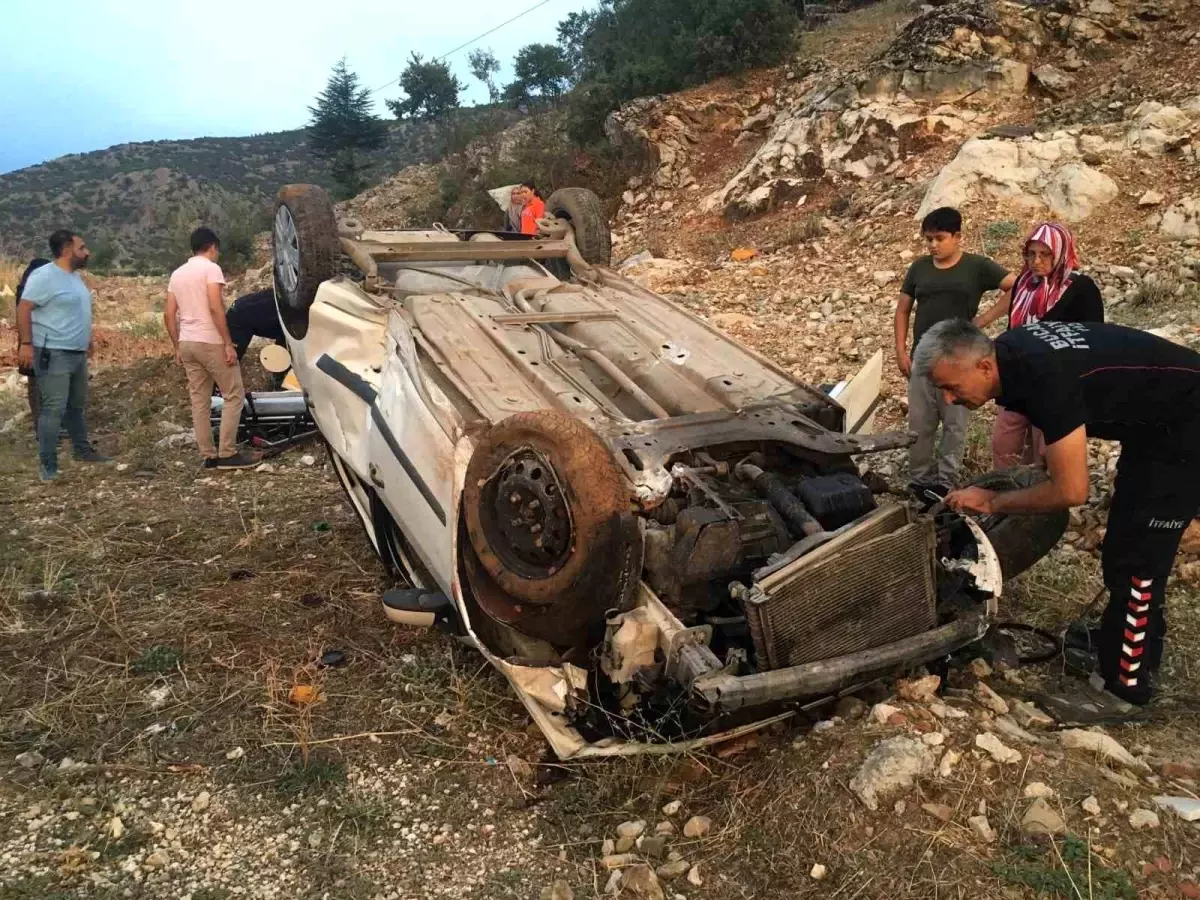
[[54, 326]]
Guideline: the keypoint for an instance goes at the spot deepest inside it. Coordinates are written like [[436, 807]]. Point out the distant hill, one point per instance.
[[137, 200]]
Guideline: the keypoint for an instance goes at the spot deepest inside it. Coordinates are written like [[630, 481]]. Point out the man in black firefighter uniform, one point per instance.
[[1074, 381]]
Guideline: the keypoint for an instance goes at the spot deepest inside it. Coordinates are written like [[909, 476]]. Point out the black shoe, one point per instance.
[[418, 606], [210, 462], [240, 460], [1081, 643], [91, 456], [1089, 705], [928, 495]]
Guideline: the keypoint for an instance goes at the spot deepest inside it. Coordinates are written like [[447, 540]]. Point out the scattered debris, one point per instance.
[[673, 869], [883, 712], [631, 830], [992, 745], [939, 811], [520, 768], [920, 690], [1010, 729], [669, 809], [1041, 819], [817, 872], [235, 754], [559, 890], [1143, 818], [1091, 806], [1101, 744], [30, 759], [697, 827], [942, 711], [990, 699], [949, 760], [1187, 808], [892, 765], [982, 829], [302, 694], [1038, 789], [639, 881], [1027, 715], [618, 860], [980, 668]]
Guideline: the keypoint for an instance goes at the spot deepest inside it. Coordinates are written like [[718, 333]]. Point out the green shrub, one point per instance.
[[633, 48]]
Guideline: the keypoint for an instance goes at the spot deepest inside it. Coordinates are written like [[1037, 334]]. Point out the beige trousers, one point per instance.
[[204, 365]]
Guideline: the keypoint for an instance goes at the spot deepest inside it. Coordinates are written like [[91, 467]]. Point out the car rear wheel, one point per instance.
[[550, 524], [305, 251], [586, 214], [1020, 540]]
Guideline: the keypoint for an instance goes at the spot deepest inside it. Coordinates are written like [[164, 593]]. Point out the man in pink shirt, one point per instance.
[[195, 319]]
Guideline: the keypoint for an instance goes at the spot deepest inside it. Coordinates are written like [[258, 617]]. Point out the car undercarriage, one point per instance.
[[654, 532]]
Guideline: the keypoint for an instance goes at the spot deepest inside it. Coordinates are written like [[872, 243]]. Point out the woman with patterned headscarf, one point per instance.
[[1050, 288]]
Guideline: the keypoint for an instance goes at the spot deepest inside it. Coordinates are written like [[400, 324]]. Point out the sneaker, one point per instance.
[[210, 462], [46, 474], [91, 456], [240, 460]]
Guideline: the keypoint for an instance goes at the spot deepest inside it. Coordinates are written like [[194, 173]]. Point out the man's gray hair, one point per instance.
[[953, 338]]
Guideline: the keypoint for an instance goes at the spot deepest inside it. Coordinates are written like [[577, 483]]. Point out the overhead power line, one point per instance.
[[473, 40]]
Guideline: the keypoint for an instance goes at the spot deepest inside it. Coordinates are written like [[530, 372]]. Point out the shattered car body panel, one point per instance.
[[653, 532]]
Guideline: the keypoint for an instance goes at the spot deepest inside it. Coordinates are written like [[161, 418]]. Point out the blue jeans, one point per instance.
[[62, 380]]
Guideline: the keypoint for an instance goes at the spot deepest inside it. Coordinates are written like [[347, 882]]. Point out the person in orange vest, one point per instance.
[[533, 209]]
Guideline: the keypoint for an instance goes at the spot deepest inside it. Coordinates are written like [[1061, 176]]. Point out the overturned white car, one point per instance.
[[652, 531]]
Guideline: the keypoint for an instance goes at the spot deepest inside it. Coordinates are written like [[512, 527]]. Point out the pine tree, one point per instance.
[[343, 128]]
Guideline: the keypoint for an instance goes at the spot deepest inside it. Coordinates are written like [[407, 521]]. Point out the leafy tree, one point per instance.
[[431, 89], [572, 32], [343, 128], [542, 70], [485, 67], [631, 48]]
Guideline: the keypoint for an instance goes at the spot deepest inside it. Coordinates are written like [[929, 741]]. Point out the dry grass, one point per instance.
[[10, 276], [224, 589], [218, 596]]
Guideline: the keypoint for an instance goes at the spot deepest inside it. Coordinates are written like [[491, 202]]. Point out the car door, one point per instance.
[[411, 457]]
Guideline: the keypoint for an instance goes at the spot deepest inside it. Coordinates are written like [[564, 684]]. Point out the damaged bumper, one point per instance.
[[649, 647]]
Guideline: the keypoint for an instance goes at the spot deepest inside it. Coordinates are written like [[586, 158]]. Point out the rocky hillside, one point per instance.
[[136, 195]]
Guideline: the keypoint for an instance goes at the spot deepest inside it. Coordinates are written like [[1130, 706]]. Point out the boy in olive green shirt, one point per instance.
[[946, 284]]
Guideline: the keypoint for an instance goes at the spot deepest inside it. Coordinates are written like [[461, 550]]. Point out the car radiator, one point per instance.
[[869, 586]]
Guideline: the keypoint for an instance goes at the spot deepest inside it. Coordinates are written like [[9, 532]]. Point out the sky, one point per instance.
[[82, 75]]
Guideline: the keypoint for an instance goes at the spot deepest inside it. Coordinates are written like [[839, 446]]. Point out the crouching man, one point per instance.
[[1074, 381]]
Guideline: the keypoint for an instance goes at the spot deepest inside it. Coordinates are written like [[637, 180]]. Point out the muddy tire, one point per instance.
[[304, 250], [549, 520], [1020, 540], [586, 214]]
